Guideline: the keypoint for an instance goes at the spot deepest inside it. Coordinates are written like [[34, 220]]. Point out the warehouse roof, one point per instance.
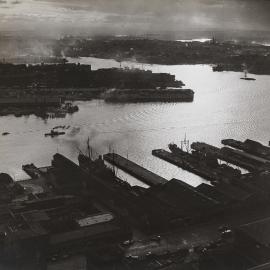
[[258, 231]]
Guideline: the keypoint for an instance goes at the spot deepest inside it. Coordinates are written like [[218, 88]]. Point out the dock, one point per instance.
[[231, 156], [135, 170], [249, 146], [226, 184], [258, 161], [189, 163]]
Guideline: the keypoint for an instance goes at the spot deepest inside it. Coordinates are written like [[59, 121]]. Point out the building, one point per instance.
[[253, 240], [176, 203], [40, 228], [9, 189], [265, 266]]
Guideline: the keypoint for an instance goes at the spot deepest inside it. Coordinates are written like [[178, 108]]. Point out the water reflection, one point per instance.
[[224, 107]]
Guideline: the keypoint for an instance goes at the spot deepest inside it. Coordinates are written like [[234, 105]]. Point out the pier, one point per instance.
[[249, 146], [231, 156], [135, 170], [196, 166], [180, 162], [249, 158]]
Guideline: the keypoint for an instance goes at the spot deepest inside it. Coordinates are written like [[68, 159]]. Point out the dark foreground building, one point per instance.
[[37, 229], [253, 239]]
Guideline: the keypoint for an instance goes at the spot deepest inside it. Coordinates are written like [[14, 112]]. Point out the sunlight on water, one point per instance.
[[196, 39], [224, 107]]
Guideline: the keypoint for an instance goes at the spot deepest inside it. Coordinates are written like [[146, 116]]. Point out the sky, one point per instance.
[[129, 16]]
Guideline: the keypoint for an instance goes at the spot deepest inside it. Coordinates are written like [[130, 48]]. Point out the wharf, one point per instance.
[[190, 165], [246, 156], [228, 155], [135, 170], [249, 146]]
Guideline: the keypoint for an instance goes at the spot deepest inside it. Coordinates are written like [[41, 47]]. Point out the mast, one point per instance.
[[114, 171], [89, 149], [245, 69], [185, 143]]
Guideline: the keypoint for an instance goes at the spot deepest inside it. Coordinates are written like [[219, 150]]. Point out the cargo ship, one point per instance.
[[206, 163]]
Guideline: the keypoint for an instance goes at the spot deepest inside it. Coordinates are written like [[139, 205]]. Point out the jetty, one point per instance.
[[194, 164], [134, 169], [249, 146], [238, 158]]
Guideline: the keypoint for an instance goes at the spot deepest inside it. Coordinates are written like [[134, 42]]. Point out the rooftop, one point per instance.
[[185, 199], [258, 230]]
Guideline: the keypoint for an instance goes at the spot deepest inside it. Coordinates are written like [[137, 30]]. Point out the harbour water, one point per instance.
[[224, 107]]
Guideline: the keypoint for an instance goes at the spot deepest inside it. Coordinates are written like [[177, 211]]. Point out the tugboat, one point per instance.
[[54, 133]]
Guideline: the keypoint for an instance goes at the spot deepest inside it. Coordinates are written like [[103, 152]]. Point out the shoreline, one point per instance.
[[162, 52]]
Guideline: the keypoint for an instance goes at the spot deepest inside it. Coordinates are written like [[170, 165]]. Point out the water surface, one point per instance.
[[224, 107]]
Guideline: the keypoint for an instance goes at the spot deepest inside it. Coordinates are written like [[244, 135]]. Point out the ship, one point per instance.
[[54, 133], [206, 161], [93, 165], [246, 78], [209, 160]]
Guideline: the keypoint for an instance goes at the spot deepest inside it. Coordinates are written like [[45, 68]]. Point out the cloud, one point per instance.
[[137, 15], [16, 2]]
